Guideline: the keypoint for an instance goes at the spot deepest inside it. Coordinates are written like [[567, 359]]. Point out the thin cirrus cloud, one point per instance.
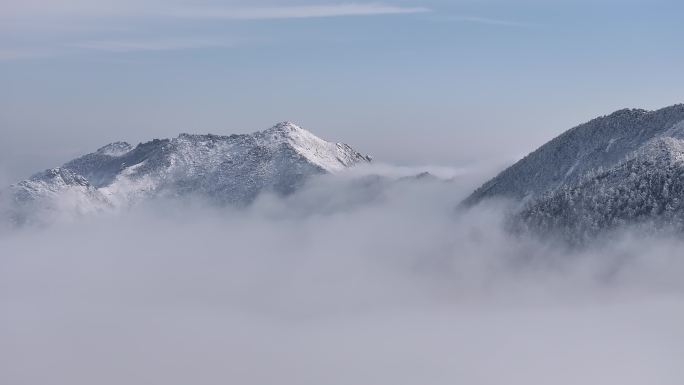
[[121, 46], [292, 12], [180, 15], [490, 21]]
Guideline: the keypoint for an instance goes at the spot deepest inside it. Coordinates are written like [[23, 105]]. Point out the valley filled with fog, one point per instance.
[[372, 276]]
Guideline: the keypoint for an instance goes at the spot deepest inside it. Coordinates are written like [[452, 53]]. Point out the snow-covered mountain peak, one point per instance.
[[285, 136], [115, 149], [622, 168], [285, 132], [52, 192], [601, 143], [286, 126], [231, 169], [332, 157]]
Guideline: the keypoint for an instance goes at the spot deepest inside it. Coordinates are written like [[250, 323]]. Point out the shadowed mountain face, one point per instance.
[[225, 169], [622, 169]]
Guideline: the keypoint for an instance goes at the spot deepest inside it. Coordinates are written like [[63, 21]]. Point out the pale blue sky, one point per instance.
[[410, 82]]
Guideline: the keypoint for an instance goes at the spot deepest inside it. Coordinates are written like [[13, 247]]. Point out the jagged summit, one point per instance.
[[115, 149], [285, 127], [51, 181], [50, 193], [332, 157], [288, 132], [228, 169]]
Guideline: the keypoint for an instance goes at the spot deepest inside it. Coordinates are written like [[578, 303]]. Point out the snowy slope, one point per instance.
[[647, 188], [53, 193], [626, 168], [601, 143], [225, 169]]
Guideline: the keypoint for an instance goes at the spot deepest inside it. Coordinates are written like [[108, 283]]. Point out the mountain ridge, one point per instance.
[[230, 169], [600, 142], [622, 169]]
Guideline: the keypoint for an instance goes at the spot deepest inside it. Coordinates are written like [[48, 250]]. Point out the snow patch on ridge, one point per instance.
[[128, 189], [332, 157], [115, 149]]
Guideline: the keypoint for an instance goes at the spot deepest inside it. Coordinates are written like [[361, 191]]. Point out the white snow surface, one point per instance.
[[54, 193], [115, 149], [332, 157], [226, 169]]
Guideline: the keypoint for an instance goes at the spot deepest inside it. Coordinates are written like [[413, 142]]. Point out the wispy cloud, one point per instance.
[[151, 45], [115, 46], [291, 12], [489, 21], [72, 21]]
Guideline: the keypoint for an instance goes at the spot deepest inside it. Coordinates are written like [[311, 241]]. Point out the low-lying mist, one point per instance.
[[355, 279]]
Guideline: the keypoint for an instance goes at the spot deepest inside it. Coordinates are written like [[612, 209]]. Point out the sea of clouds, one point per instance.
[[355, 279]]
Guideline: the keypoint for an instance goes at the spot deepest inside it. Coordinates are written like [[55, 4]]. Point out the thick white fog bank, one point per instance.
[[350, 281]]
